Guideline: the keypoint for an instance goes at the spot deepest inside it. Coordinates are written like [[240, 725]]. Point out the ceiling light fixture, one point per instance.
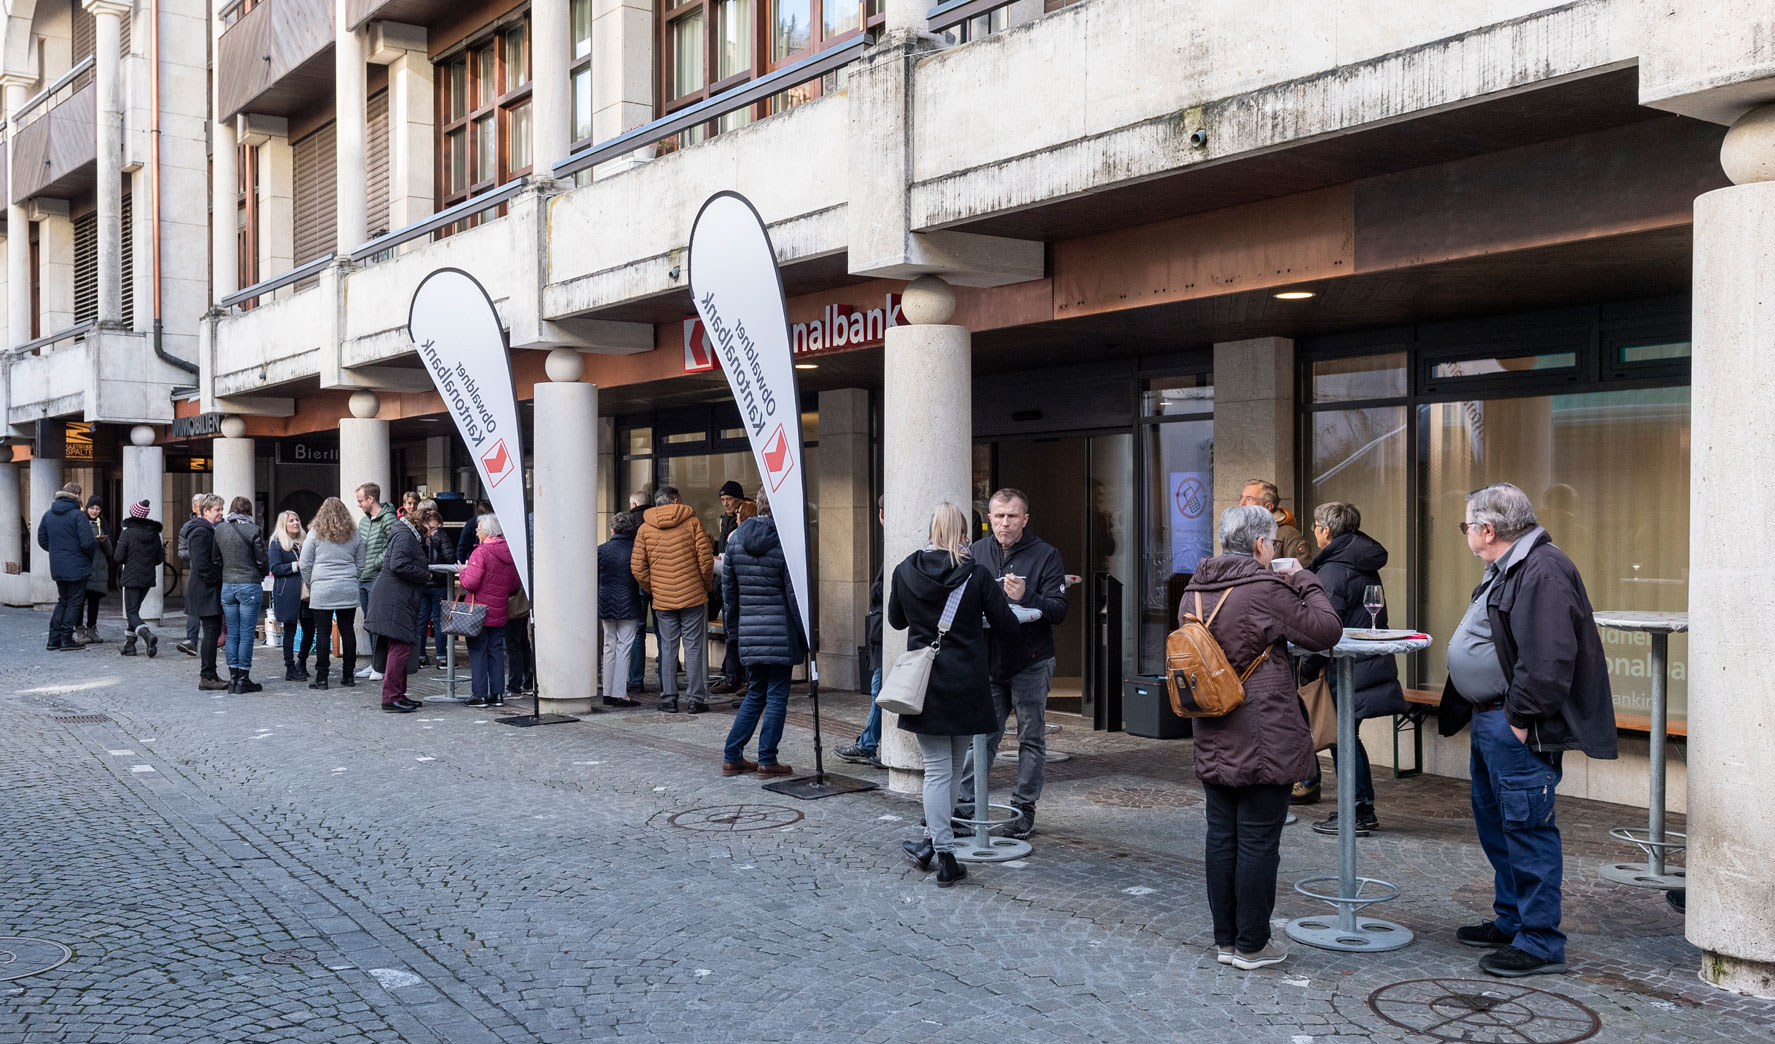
[[807, 366], [1294, 295]]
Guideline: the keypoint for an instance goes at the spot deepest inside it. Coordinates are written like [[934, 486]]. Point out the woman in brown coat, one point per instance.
[[1249, 758]]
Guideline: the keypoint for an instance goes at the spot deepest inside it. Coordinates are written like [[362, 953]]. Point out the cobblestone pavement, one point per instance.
[[454, 879]]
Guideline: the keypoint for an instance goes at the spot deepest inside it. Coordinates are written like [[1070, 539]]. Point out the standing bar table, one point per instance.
[[449, 572], [1348, 930], [1654, 840]]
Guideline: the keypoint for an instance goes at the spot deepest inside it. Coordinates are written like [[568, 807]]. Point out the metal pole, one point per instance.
[[450, 643], [1660, 719], [1346, 790], [813, 693], [982, 811]]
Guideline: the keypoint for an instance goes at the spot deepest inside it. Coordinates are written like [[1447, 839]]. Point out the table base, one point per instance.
[[1639, 875], [1370, 934], [997, 849]]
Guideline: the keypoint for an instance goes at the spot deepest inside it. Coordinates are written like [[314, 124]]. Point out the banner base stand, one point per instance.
[[812, 788], [524, 721]]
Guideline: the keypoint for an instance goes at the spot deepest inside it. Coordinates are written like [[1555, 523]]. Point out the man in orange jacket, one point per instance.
[[674, 562]]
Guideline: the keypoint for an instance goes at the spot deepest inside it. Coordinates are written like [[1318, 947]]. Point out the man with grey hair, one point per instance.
[[1526, 669], [1290, 542]]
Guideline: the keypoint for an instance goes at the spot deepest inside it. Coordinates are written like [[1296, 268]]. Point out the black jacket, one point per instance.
[[1038, 563], [1547, 642], [399, 589], [286, 585], [874, 621], [66, 533], [203, 581], [139, 552], [619, 596], [755, 580], [959, 699], [438, 551], [465, 543], [1346, 567]]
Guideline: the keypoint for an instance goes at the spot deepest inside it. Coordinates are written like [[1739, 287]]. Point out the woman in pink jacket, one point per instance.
[[490, 577]]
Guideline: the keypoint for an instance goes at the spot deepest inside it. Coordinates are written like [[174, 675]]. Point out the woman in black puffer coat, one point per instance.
[[958, 700], [756, 580], [1352, 560], [139, 556]]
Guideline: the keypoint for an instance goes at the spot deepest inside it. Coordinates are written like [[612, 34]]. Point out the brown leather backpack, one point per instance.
[[1197, 675]]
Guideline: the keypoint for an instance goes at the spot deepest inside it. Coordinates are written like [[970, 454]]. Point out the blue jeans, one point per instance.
[[767, 693], [1027, 691], [431, 614], [870, 738], [1364, 775], [240, 614], [1513, 810], [486, 662]]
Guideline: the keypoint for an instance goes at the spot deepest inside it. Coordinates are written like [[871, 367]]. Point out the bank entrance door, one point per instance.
[[1081, 500]]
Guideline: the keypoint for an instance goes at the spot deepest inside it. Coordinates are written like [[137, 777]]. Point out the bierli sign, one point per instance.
[[739, 298], [838, 327], [453, 323]]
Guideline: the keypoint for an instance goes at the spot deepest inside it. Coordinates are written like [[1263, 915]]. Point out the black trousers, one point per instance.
[[206, 645], [93, 598], [323, 640], [306, 619], [520, 668], [132, 605], [1243, 852], [66, 616]]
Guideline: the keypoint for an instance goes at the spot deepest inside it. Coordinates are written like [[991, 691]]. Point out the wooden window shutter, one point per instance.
[[129, 261], [316, 210], [86, 268], [85, 32], [376, 188]]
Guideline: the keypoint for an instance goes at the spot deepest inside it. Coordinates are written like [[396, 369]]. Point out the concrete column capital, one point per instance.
[[141, 435], [16, 82], [928, 300], [365, 404], [1748, 153], [565, 366], [100, 8], [233, 427]]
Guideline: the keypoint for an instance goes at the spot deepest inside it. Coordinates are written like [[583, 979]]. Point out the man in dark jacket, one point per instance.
[[1029, 570], [203, 589], [394, 609], [1526, 668], [193, 625], [756, 583], [139, 556], [620, 608], [735, 509], [375, 528], [66, 533], [1349, 562]]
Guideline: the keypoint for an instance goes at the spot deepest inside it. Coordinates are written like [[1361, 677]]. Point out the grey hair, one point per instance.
[[1243, 525], [762, 499], [488, 526], [1271, 496], [666, 495], [207, 501], [196, 499], [1338, 517], [1503, 507]]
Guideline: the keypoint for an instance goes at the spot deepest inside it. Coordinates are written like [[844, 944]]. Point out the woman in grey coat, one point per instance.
[[332, 558]]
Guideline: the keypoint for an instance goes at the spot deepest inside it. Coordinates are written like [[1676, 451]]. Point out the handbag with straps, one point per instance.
[[1321, 710], [464, 618], [1198, 677], [903, 690]]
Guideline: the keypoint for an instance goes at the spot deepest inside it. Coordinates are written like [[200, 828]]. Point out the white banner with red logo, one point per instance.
[[460, 341], [739, 295]]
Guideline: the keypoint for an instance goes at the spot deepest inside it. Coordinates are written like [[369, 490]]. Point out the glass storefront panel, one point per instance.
[[1361, 457], [1359, 378], [1178, 529], [1609, 476], [699, 480]]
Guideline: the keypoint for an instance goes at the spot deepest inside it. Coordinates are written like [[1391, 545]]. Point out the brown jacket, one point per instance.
[[1291, 541], [1264, 740], [673, 560]]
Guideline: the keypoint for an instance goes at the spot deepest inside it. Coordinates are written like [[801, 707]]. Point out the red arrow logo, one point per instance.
[[497, 462], [777, 459]]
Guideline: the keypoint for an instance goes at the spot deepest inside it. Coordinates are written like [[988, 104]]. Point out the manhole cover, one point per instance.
[[732, 819], [82, 719], [1137, 796], [20, 957], [288, 957], [1484, 1011]]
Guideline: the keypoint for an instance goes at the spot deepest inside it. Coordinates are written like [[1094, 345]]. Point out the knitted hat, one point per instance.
[[730, 488], [139, 509]]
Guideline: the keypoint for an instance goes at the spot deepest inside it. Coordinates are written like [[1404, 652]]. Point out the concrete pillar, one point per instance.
[[349, 90], [269, 138], [847, 521], [1731, 823], [622, 67], [108, 18], [411, 118], [927, 435], [55, 264], [363, 451], [907, 15], [46, 480], [234, 470], [1253, 418], [550, 97], [564, 589], [437, 464], [144, 476], [18, 236], [15, 585], [224, 184]]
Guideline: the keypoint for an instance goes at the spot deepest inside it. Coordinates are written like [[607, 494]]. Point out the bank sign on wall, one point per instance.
[[838, 328]]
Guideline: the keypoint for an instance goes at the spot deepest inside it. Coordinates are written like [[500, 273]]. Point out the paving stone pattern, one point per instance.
[[458, 880]]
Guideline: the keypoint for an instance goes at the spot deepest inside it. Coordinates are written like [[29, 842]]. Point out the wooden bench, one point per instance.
[[1422, 704]]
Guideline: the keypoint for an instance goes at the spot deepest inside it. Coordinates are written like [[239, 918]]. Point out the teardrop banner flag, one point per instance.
[[739, 295], [457, 332]]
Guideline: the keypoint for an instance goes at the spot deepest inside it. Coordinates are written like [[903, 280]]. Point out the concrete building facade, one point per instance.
[[1369, 251]]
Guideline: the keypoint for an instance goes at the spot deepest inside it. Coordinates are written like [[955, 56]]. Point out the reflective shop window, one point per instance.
[[1178, 528], [1639, 354], [1178, 396], [1485, 366], [1360, 377]]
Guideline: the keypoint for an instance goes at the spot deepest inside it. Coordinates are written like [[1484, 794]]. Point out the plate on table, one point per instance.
[[1366, 635]]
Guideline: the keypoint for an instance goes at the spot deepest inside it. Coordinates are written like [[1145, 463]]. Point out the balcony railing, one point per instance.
[[68, 82], [73, 333], [810, 68], [266, 286], [468, 208]]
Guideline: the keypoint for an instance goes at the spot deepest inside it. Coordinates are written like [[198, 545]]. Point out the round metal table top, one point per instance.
[[1667, 623], [448, 568], [1359, 647]]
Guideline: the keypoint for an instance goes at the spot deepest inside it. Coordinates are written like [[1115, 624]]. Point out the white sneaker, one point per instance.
[[365, 672], [1273, 953], [375, 675]]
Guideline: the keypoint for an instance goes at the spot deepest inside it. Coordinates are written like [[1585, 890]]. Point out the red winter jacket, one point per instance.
[[492, 577]]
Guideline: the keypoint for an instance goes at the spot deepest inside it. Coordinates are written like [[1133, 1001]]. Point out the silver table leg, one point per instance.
[[1656, 842], [1348, 930], [981, 846]]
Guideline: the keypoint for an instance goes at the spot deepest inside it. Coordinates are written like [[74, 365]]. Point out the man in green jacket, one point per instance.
[[375, 529]]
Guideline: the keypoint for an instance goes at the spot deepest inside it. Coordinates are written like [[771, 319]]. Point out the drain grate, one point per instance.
[[1485, 1012], [20, 957], [733, 819], [82, 719], [288, 957]]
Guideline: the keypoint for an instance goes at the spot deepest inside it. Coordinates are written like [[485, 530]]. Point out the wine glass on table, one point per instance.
[[1373, 600]]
